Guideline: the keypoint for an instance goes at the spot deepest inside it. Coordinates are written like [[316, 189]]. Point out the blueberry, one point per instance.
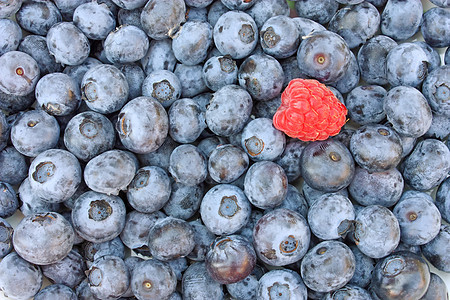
[[441, 3], [230, 259], [38, 16], [324, 55], [43, 239], [225, 209], [6, 232], [219, 71], [377, 231], [265, 184], [294, 201], [247, 287], [447, 56], [4, 131], [281, 284], [436, 89], [227, 163], [32, 203], [77, 72], [238, 4], [443, 199], [437, 289], [8, 200], [130, 17], [191, 42], [56, 291], [203, 240], [161, 156], [198, 284], [191, 78], [10, 36], [400, 19], [20, 73], [317, 10], [14, 166], [434, 27], [108, 277], [188, 165], [364, 266], [126, 44], [186, 120], [93, 251], [280, 36], [170, 238], [328, 266], [235, 33], [67, 7], [160, 56], [104, 88], [162, 85], [161, 19], [365, 104], [9, 8], [98, 217], [349, 291], [434, 58], [227, 118], [437, 250], [68, 271], [427, 166], [15, 269], [401, 275], [94, 20]]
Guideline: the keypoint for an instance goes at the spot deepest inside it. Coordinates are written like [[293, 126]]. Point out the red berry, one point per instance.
[[309, 111]]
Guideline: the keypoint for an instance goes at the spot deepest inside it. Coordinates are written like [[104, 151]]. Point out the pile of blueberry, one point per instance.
[[144, 127]]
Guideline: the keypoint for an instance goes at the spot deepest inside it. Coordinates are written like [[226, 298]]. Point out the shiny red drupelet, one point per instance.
[[309, 111]]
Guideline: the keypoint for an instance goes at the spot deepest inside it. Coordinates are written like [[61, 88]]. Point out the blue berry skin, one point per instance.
[[104, 88], [365, 104], [350, 79], [328, 214], [277, 284], [170, 238], [153, 279], [31, 203], [307, 26], [281, 237], [262, 76], [247, 230], [367, 152], [98, 217], [400, 20], [427, 166], [247, 287], [57, 94], [441, 3], [440, 127], [261, 141], [198, 3], [437, 251], [126, 44], [150, 189], [33, 132], [238, 4], [411, 117], [191, 42], [372, 59], [15, 269], [14, 166], [55, 175], [93, 251], [37, 17], [376, 188], [294, 201], [161, 156], [216, 9], [235, 33], [5, 131], [225, 209], [69, 271], [291, 70], [43, 239], [131, 262], [203, 240], [89, 134], [356, 24], [327, 166], [13, 104], [266, 109], [290, 159], [328, 266], [402, 275], [324, 55], [67, 43], [447, 56], [8, 200], [186, 120], [160, 56], [188, 165], [418, 217], [184, 200], [130, 17], [434, 58], [230, 259], [443, 199], [227, 163], [406, 64], [94, 19], [162, 85], [9, 8], [6, 232], [108, 277], [317, 10], [225, 117], [436, 89], [434, 27], [10, 36], [56, 291], [77, 72], [178, 265], [350, 291], [135, 77], [20, 73], [219, 71], [191, 78], [364, 266], [437, 289], [198, 284], [265, 184], [280, 36], [161, 19], [129, 4], [377, 231]]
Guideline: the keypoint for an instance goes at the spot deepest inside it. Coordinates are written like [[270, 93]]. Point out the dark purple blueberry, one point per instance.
[[9, 202], [364, 266], [20, 73], [178, 265], [184, 200], [10, 35], [98, 217], [294, 201], [186, 120], [317, 10], [349, 79], [6, 232], [230, 259], [191, 42], [227, 163], [197, 283], [436, 89], [191, 78], [328, 266], [219, 71], [108, 277], [203, 240], [236, 34], [376, 188], [161, 19], [281, 237], [170, 238], [290, 158], [126, 44], [400, 19], [437, 251], [443, 199], [365, 104], [377, 231], [159, 56], [435, 27], [437, 289], [43, 239], [14, 166], [225, 209], [68, 271], [56, 291], [427, 166], [94, 19], [402, 275], [19, 279]]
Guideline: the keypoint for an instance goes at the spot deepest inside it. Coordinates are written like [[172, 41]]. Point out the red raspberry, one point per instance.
[[309, 111]]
